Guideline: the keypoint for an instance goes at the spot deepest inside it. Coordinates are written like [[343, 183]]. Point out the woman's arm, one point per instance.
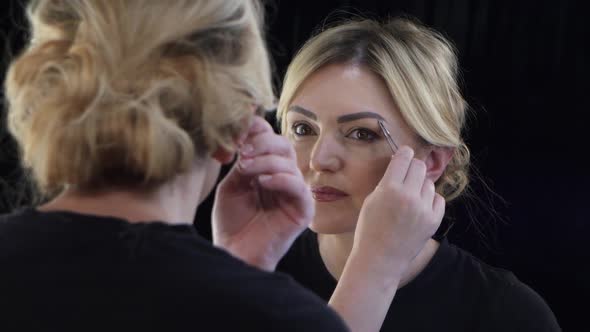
[[395, 222], [263, 203], [363, 295]]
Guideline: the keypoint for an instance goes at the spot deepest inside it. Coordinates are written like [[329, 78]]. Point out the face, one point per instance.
[[341, 151]]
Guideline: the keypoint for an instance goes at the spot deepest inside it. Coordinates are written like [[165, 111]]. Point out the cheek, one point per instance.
[[365, 176], [361, 177]]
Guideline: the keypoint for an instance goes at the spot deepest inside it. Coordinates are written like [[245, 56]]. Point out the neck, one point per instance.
[[174, 202], [335, 250]]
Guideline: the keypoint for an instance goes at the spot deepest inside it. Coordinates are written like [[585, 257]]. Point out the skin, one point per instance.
[[343, 155], [381, 231]]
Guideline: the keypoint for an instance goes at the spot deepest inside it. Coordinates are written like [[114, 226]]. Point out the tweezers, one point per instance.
[[388, 137]]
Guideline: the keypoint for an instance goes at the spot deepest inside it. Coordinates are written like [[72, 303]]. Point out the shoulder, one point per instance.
[[15, 225], [9, 220], [302, 258], [511, 302], [260, 300], [305, 244], [304, 248], [28, 220], [291, 307], [283, 300], [524, 308]]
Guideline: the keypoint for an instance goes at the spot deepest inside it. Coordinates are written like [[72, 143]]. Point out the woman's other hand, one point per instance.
[[263, 204]]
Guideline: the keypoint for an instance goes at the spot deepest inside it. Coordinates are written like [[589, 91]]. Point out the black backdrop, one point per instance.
[[525, 68]]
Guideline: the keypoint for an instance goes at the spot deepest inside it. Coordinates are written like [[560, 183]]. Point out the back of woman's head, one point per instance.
[[133, 92], [418, 66]]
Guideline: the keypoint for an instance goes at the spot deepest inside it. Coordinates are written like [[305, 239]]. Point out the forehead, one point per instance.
[[339, 89]]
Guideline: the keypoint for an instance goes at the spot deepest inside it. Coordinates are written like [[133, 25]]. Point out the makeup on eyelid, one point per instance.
[[304, 128], [370, 151], [361, 135]]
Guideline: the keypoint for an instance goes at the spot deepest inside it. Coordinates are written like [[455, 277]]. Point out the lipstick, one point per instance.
[[327, 194]]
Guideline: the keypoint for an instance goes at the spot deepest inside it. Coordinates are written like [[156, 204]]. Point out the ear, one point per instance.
[[223, 156], [437, 160]]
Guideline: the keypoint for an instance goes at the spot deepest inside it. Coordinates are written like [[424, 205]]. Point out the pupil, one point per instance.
[[301, 130]]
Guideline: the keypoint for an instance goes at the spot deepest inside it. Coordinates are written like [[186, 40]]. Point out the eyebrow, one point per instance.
[[303, 111], [360, 115], [340, 119]]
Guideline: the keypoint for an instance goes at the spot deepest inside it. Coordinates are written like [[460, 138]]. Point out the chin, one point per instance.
[[333, 225]]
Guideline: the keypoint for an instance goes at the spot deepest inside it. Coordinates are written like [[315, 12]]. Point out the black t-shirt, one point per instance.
[[455, 292], [65, 271]]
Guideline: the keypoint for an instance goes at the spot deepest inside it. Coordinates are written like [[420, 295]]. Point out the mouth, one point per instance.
[[327, 194]]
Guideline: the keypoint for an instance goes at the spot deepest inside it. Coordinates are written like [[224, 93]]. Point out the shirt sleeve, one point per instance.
[[521, 309]]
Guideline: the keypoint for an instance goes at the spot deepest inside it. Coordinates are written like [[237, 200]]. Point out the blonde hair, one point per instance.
[[418, 66], [134, 92]]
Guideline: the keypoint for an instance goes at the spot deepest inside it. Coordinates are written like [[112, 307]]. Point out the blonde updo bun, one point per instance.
[[134, 91]]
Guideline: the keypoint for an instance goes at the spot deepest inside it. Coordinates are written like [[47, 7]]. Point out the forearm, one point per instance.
[[363, 294]]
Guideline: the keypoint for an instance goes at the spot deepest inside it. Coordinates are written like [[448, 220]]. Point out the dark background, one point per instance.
[[525, 69]]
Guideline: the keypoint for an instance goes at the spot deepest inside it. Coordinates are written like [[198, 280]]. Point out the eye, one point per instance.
[[362, 134], [301, 129]]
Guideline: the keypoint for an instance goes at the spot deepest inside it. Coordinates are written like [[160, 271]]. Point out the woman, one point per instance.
[[124, 111], [341, 88]]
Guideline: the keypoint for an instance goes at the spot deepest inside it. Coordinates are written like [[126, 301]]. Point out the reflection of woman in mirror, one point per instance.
[[371, 208]]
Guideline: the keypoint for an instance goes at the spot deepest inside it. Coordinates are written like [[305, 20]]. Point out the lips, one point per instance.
[[327, 194]]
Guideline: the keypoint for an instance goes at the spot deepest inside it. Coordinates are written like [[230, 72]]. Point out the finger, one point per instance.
[[428, 191], [438, 207], [258, 126], [267, 143], [294, 189], [415, 177], [398, 167], [267, 164]]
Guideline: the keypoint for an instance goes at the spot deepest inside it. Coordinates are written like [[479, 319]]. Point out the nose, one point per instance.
[[326, 155]]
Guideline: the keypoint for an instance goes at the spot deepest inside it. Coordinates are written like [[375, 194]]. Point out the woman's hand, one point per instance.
[[399, 216], [263, 204], [395, 222]]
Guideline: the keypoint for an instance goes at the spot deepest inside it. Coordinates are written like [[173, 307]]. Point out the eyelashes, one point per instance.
[[362, 134], [301, 129]]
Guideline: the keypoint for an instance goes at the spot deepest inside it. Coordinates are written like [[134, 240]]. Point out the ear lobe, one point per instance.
[[223, 156], [437, 161]]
